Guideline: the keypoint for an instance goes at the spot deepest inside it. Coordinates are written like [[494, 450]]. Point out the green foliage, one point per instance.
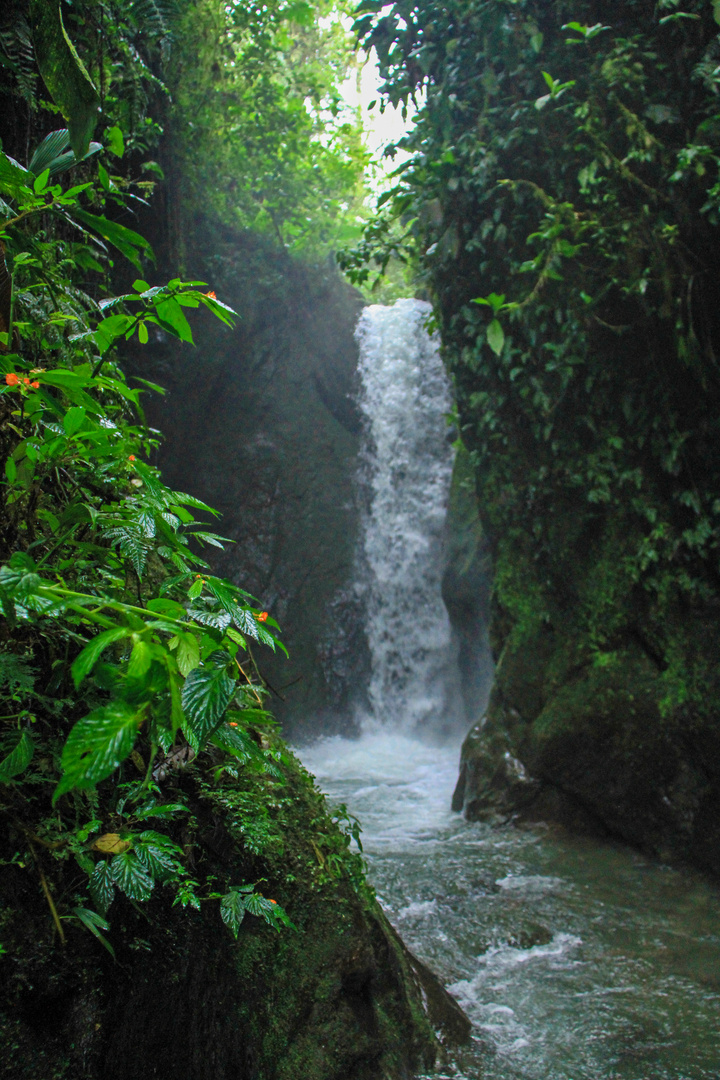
[[64, 74], [260, 126], [119, 654], [566, 157]]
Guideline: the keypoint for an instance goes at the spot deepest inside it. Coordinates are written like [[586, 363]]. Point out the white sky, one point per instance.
[[381, 128]]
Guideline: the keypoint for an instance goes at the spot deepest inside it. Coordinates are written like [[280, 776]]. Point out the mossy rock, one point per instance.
[[339, 998]]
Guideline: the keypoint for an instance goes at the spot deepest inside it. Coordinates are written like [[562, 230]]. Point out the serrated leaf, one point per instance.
[[236, 741], [495, 337], [130, 875], [97, 745], [232, 911], [102, 886], [218, 620], [158, 862], [85, 662], [207, 693], [146, 521], [18, 759]]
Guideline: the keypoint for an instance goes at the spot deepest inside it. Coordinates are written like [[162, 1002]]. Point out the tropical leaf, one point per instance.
[[97, 745], [64, 74], [130, 875], [128, 242], [18, 759], [187, 653], [54, 154], [207, 693], [102, 885], [232, 910], [85, 662]]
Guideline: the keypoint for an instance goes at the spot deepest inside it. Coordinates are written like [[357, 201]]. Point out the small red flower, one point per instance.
[[211, 295], [262, 617], [26, 381], [131, 458], [35, 385], [231, 723], [11, 379], [273, 901]]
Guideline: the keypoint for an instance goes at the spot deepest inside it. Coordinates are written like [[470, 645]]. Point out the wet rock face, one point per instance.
[[269, 413], [592, 748], [466, 587]]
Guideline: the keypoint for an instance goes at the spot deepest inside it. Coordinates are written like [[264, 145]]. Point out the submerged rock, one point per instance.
[[340, 998]]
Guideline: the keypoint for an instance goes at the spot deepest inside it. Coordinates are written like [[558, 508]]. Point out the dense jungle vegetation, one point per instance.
[[127, 675], [562, 202]]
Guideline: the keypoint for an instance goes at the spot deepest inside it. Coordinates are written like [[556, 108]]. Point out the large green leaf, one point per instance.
[[130, 875], [125, 240], [87, 659], [232, 910], [64, 74], [97, 745], [18, 759], [54, 153], [207, 693]]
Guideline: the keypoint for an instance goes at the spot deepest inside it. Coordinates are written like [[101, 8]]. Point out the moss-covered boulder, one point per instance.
[[337, 998], [597, 738]]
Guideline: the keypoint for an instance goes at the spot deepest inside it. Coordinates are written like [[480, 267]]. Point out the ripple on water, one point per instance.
[[575, 960]]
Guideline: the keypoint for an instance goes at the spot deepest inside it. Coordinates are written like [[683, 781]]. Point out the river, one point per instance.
[[574, 959]]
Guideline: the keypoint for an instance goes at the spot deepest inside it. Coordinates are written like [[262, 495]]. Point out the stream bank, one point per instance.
[[338, 998]]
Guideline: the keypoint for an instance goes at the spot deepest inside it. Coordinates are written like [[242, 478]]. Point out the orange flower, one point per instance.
[[262, 617], [231, 723], [26, 381], [35, 385], [211, 295], [131, 458], [11, 379], [273, 901]]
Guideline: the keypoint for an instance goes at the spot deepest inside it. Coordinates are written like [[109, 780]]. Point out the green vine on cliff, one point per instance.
[[565, 157]]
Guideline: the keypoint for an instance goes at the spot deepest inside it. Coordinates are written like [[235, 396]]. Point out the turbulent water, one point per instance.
[[575, 960], [404, 399]]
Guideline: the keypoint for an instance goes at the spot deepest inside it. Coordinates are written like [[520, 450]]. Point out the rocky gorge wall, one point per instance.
[[268, 410], [590, 740]]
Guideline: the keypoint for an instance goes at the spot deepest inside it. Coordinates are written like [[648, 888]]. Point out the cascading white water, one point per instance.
[[575, 960], [404, 398]]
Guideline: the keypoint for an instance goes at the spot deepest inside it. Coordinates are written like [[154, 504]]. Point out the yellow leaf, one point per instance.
[[111, 843]]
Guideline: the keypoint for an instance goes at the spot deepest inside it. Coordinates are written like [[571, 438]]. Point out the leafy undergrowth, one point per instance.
[[124, 661]]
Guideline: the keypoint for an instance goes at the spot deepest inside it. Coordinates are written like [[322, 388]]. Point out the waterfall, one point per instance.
[[407, 464]]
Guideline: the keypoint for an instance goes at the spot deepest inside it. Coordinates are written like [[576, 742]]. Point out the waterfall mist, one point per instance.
[[405, 474]]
